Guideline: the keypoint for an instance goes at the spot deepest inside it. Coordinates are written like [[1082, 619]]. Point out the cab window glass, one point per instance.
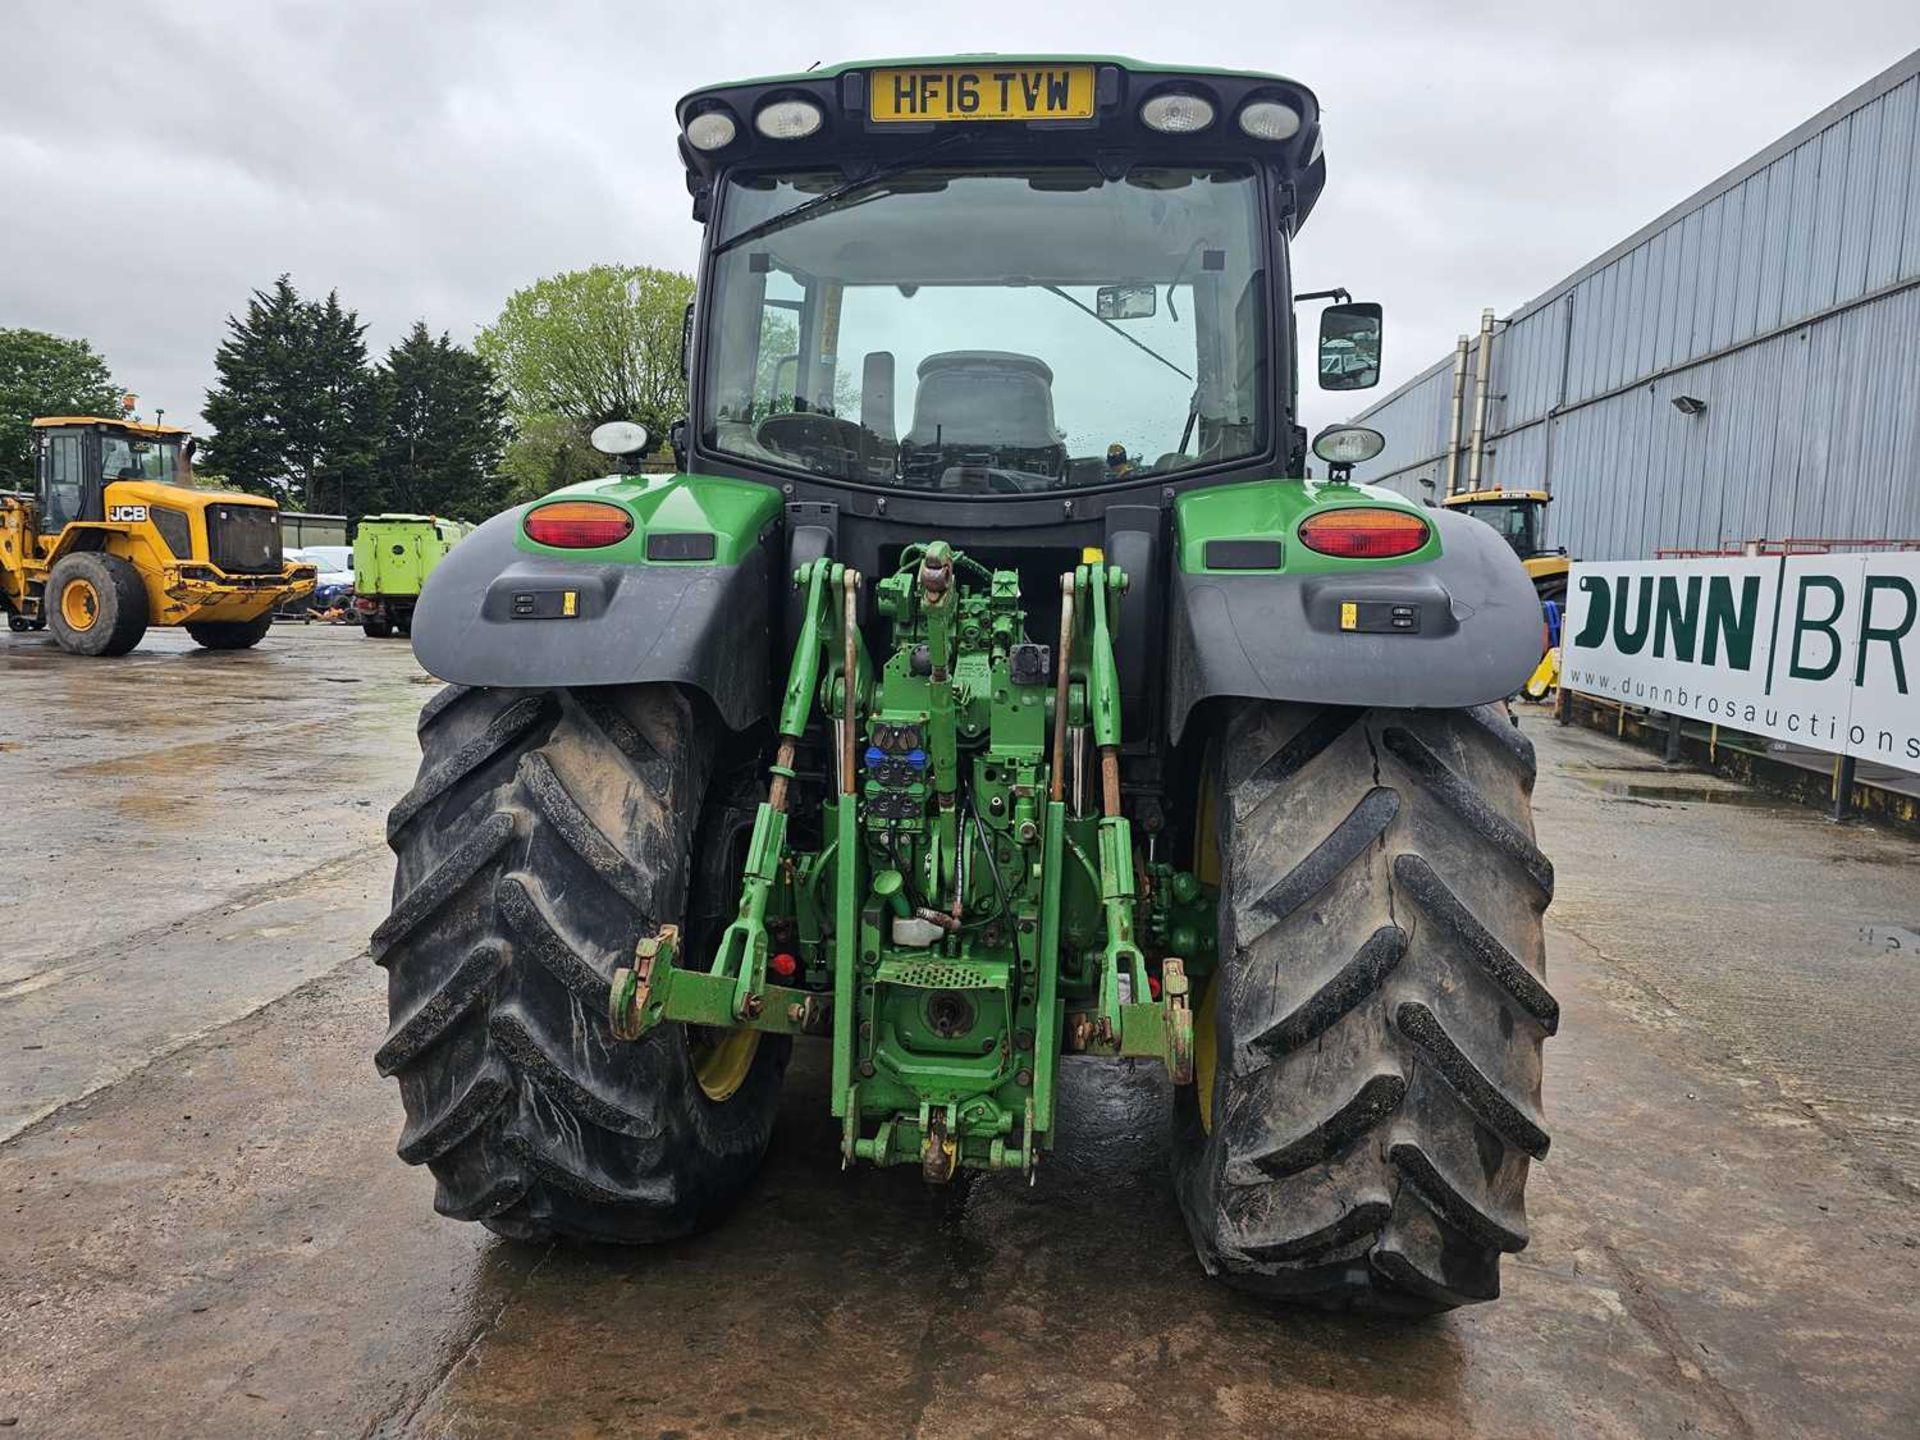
[[126, 458], [64, 482]]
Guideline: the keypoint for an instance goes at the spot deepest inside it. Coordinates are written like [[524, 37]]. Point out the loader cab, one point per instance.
[[988, 280], [1518, 515], [77, 457]]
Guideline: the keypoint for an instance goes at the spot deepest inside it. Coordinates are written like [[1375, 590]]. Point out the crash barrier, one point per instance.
[[1819, 651]]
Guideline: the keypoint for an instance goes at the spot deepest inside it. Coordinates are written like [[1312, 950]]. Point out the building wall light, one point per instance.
[[1689, 404]]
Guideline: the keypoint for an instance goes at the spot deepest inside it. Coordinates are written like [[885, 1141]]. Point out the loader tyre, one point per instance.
[[95, 604], [230, 634], [547, 832], [1367, 1096]]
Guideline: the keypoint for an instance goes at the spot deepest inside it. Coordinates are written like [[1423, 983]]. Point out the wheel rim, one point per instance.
[[1206, 867], [79, 604], [721, 1059], [1205, 1053]]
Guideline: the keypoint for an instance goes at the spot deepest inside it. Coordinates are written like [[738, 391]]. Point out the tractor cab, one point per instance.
[[1520, 516], [995, 279], [77, 456]]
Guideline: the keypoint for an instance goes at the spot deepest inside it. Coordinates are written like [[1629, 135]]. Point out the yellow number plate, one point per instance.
[[1013, 92]]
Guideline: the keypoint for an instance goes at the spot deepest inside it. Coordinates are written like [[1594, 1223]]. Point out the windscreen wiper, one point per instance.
[[833, 199], [1138, 344]]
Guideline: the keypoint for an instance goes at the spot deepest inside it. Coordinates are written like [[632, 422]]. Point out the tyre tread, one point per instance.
[[1373, 1124]]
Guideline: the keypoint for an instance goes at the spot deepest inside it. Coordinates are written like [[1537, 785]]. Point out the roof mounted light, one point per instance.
[[1348, 444], [1270, 120], [789, 119], [1177, 112], [711, 130]]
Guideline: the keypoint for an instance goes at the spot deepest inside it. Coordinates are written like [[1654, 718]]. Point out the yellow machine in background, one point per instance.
[[1520, 516], [114, 538]]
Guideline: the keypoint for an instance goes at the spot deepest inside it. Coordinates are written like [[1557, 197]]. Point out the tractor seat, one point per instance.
[[985, 399]]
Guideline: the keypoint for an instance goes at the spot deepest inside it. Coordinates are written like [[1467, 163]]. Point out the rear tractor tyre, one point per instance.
[[95, 604], [547, 832], [230, 634], [1367, 1095]]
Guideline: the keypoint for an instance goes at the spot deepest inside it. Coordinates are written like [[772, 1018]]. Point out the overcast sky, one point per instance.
[[159, 160]]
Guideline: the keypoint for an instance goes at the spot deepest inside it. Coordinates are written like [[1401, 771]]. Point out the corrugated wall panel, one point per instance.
[[1749, 297], [1897, 169], [1910, 244]]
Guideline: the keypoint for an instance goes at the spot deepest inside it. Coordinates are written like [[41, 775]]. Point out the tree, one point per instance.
[[547, 452], [296, 412], [42, 374], [445, 430], [593, 345]]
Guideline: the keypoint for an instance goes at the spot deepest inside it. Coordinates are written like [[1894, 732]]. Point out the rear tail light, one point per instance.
[[578, 524], [1359, 533]]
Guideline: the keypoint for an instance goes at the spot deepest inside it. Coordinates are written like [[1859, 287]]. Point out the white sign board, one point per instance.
[[1822, 650]]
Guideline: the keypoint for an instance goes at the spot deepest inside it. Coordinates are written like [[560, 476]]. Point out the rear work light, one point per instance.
[[1358, 533], [1177, 113], [578, 524]]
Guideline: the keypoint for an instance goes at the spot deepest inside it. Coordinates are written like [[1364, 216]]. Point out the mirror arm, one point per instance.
[[1339, 292]]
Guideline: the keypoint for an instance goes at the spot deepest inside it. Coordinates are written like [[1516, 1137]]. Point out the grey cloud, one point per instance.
[[160, 160]]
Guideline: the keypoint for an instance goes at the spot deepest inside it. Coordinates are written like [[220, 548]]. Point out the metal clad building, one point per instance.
[[1785, 295]]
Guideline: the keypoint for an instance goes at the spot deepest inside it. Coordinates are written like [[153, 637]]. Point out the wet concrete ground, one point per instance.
[[204, 1232]]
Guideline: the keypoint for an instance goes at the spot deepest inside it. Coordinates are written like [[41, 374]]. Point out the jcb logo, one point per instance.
[[127, 514]]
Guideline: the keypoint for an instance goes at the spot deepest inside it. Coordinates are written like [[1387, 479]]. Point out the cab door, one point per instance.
[[67, 475]]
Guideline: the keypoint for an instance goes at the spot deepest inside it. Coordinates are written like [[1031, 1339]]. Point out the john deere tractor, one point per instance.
[[114, 537], [985, 689]]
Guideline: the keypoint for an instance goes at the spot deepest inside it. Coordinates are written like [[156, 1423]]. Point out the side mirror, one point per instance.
[[1124, 302], [1350, 346]]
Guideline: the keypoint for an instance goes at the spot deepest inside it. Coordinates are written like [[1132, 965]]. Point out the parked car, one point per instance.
[[334, 589]]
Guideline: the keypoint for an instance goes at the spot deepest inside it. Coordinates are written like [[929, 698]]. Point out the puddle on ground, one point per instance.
[[1674, 791]]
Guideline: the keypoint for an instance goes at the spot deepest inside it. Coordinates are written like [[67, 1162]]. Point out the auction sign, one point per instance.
[[1821, 650]]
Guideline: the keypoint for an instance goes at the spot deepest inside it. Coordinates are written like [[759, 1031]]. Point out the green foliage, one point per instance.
[[301, 415], [591, 346], [43, 374], [296, 412], [547, 452], [444, 430]]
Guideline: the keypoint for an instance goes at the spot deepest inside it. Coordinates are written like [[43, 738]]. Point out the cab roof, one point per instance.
[[154, 432], [1489, 497], [930, 62], [851, 139]]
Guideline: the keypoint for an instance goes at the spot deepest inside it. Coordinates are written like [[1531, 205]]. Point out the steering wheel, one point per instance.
[[824, 444]]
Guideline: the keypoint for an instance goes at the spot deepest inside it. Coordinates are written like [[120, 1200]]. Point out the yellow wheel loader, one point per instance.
[[114, 537], [1520, 516]]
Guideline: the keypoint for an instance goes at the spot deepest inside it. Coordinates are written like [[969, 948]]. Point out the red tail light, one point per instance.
[[578, 524], [1358, 533]]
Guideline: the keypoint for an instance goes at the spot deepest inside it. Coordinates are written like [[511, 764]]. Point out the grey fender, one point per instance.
[[494, 614], [1459, 630]]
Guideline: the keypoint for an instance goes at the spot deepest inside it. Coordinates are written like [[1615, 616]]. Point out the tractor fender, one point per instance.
[[494, 614], [1475, 634]]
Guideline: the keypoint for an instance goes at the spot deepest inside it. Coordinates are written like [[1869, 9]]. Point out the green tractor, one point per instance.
[[987, 687]]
